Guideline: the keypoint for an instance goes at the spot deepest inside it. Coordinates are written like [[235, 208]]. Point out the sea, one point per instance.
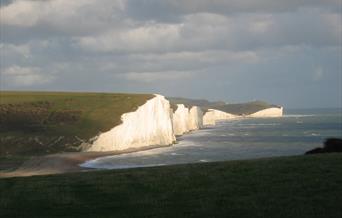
[[293, 134]]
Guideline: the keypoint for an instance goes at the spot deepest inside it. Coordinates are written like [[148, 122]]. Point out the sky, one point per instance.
[[284, 52]]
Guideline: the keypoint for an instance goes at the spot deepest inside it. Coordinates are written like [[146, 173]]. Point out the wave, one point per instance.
[[298, 115], [259, 124], [175, 154], [204, 161], [110, 166]]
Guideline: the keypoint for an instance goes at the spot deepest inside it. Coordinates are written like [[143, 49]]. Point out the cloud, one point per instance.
[[213, 46], [204, 31], [194, 32], [317, 74], [200, 58], [25, 76], [113, 26], [5, 2], [142, 38], [170, 10], [76, 17], [22, 50], [20, 13], [150, 77]]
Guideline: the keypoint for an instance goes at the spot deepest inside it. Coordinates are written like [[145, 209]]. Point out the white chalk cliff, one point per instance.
[[150, 124], [195, 118], [155, 124], [181, 120], [185, 120], [212, 116], [269, 112]]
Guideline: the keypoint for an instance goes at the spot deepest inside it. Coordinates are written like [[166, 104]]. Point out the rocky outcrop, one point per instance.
[[180, 120], [195, 118], [212, 116], [150, 125], [330, 145], [269, 112]]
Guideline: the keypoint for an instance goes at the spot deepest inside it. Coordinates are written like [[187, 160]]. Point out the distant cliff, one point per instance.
[[250, 108], [212, 116], [269, 112], [235, 109]]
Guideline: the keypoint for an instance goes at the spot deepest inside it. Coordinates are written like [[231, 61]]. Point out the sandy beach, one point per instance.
[[60, 163], [54, 164]]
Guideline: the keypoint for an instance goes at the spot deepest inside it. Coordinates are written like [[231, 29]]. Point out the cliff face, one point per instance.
[[212, 116], [181, 120], [154, 123], [195, 118], [185, 120], [269, 112], [150, 125]]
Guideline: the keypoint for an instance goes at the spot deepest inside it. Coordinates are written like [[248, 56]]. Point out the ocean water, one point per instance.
[[293, 134]]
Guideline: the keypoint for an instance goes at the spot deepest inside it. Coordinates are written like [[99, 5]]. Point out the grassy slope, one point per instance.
[[304, 186], [245, 108], [98, 112]]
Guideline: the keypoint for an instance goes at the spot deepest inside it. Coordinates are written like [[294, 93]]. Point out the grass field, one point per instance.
[[49, 122], [303, 186]]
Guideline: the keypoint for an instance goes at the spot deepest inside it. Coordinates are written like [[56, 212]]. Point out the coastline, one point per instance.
[[61, 163], [69, 162]]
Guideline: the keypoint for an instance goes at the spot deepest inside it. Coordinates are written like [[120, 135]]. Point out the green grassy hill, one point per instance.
[[303, 187], [245, 108], [33, 123]]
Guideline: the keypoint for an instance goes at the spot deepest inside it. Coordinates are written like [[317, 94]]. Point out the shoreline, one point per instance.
[[69, 162], [61, 163]]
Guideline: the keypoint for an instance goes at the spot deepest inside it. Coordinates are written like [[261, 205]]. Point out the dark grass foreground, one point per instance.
[[305, 186]]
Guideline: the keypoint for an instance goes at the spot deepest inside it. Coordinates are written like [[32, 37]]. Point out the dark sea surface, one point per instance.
[[293, 134]]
